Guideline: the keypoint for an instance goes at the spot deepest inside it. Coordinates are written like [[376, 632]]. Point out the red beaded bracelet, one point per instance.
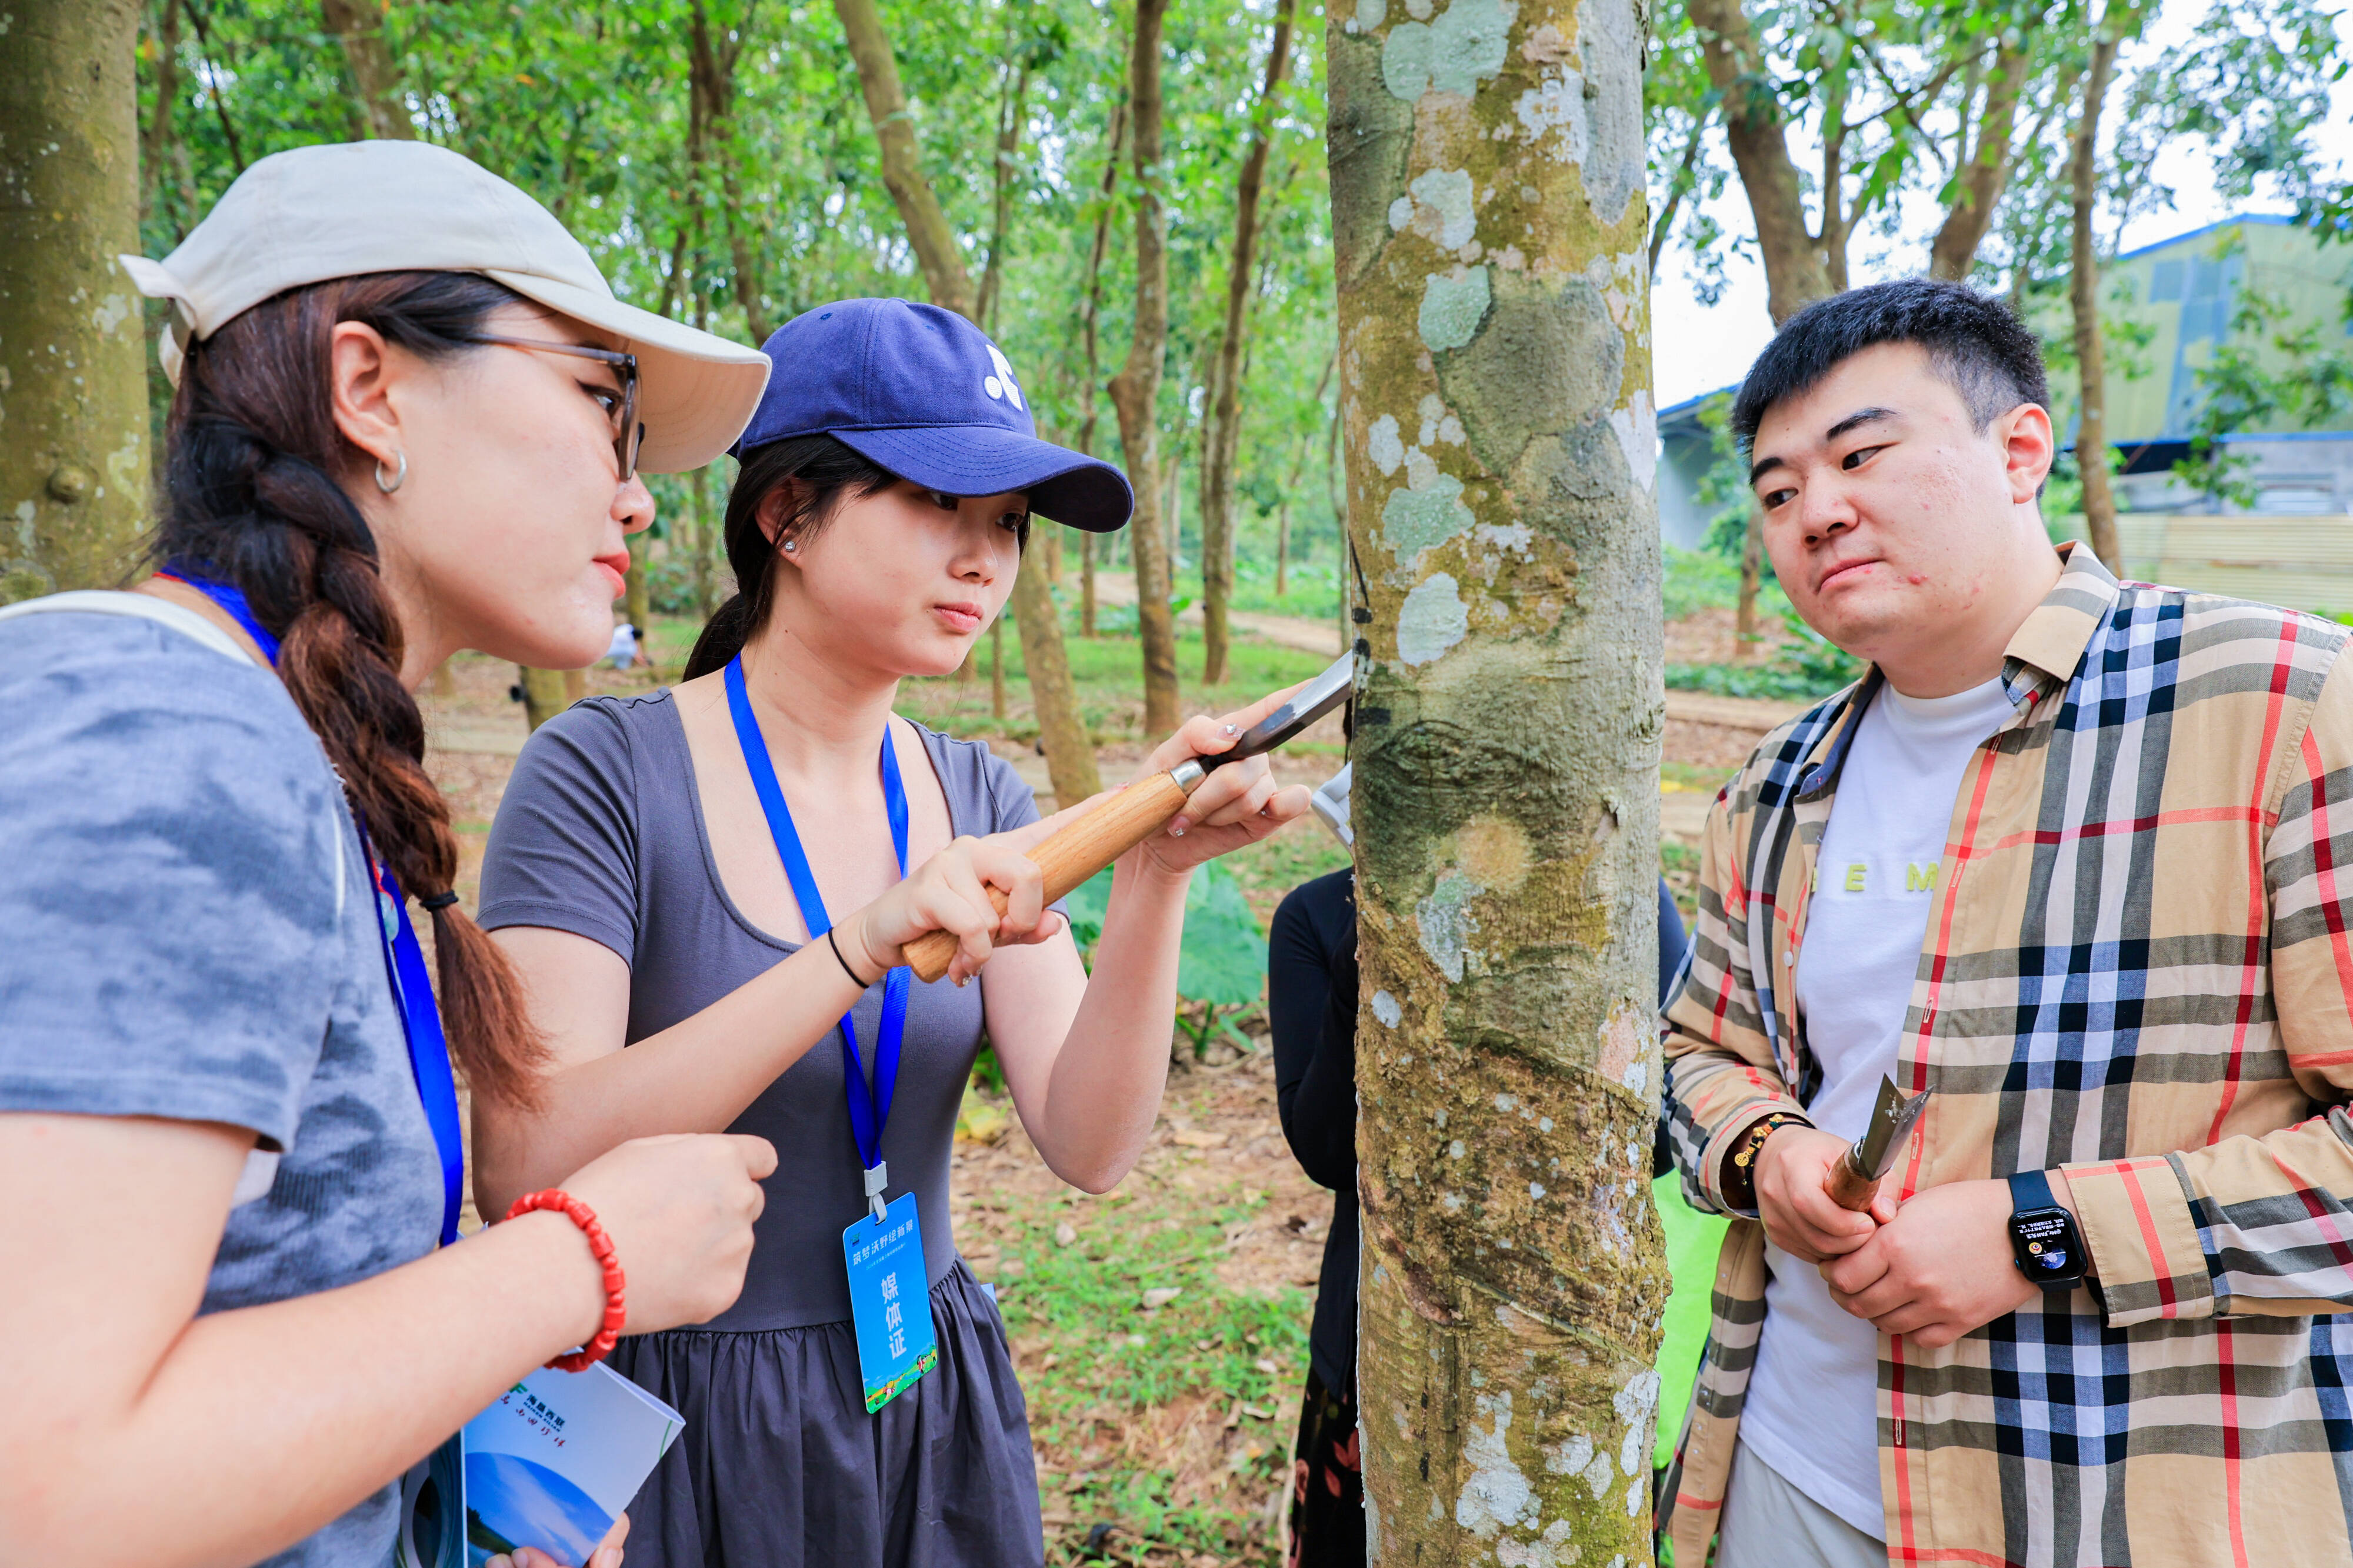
[[616, 1310]]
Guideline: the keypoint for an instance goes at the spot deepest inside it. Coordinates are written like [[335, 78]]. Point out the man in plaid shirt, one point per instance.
[[2071, 848]]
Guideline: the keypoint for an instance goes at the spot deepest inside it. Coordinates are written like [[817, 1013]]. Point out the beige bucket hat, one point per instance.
[[303, 216]]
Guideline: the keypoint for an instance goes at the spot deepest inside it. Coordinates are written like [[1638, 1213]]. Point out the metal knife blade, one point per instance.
[[1309, 703], [1891, 1120]]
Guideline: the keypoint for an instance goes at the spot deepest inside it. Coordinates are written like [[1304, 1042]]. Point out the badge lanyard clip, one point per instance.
[[869, 1109]]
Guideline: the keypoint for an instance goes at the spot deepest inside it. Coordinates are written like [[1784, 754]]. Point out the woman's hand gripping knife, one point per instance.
[[989, 892]]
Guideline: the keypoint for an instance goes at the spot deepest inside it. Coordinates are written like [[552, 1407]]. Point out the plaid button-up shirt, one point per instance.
[[2136, 971]]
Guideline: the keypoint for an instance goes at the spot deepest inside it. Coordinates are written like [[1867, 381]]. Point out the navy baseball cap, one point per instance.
[[923, 392]]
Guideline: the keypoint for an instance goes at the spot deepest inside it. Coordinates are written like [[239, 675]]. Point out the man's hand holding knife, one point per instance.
[[1931, 1269]]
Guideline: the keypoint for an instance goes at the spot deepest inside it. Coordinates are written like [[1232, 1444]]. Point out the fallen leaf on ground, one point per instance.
[[1191, 1138], [1066, 1233], [1153, 1300]]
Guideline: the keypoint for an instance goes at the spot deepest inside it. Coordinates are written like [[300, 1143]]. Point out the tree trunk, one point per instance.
[[997, 670], [1224, 436], [1009, 114], [711, 85], [1053, 696], [1051, 693], [637, 598], [1135, 390], [358, 27], [543, 694], [1088, 322], [1796, 272], [1955, 249], [1281, 543], [1752, 578], [1090, 317], [705, 546], [2083, 295], [1506, 752], [902, 172], [163, 162], [73, 470], [1087, 586]]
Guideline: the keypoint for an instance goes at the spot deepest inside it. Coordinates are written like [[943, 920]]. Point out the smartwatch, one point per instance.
[[2048, 1247]]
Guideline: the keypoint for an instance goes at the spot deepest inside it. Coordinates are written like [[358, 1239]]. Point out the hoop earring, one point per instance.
[[398, 478]]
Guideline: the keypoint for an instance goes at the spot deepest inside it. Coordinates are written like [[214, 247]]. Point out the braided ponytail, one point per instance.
[[251, 496]]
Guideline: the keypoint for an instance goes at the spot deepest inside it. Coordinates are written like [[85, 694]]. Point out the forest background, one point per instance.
[[720, 160]]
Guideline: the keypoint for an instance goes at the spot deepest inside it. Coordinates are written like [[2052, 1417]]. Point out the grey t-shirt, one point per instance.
[[187, 930], [600, 834]]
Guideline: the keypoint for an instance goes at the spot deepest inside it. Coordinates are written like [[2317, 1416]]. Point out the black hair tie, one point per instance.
[[438, 901]]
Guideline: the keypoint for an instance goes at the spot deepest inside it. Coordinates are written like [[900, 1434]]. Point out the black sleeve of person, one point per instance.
[[1672, 943], [1311, 1009]]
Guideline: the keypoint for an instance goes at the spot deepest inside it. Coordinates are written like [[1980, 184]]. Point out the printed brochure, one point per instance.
[[551, 1465]]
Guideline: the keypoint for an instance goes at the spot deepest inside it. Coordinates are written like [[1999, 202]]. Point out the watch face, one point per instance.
[[2044, 1246]]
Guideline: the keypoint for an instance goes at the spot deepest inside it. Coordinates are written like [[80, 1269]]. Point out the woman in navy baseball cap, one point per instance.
[[656, 857]]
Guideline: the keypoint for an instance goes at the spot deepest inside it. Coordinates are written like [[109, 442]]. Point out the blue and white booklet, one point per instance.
[[551, 1465]]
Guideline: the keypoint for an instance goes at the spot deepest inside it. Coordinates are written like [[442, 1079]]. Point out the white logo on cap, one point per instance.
[[1002, 384]]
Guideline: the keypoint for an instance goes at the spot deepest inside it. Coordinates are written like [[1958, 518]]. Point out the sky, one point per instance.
[[1697, 349]]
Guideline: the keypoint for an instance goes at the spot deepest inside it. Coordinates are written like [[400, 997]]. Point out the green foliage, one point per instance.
[[1222, 963], [584, 103]]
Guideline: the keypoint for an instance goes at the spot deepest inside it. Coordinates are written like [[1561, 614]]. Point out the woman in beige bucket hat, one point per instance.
[[408, 419]]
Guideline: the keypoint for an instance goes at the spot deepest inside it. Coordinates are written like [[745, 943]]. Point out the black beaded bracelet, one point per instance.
[[861, 985]]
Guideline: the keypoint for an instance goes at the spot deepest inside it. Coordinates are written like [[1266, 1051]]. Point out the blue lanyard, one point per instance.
[[403, 960], [230, 598], [869, 1109]]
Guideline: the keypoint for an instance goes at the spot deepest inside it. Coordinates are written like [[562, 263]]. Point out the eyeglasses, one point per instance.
[[628, 434]]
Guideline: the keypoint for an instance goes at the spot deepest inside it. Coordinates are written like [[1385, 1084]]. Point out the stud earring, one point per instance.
[[792, 544], [399, 477]]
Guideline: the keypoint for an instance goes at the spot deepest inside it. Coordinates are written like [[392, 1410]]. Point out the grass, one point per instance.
[[1106, 1374]]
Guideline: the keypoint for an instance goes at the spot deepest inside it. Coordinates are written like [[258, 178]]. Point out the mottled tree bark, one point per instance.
[[73, 389], [2083, 295], [1135, 390], [358, 27], [902, 170], [1223, 439], [1489, 240]]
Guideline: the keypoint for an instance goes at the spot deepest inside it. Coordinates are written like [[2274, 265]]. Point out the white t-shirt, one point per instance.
[[1812, 1399]]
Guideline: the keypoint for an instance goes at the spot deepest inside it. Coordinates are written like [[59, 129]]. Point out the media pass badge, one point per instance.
[[890, 1302]]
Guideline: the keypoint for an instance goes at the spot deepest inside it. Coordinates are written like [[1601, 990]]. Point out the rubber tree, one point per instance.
[[1223, 439], [1054, 695], [358, 27], [1491, 250], [1135, 390], [73, 385], [2084, 297], [928, 229]]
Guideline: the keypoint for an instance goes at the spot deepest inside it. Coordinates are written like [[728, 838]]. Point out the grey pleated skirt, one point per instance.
[[781, 1467]]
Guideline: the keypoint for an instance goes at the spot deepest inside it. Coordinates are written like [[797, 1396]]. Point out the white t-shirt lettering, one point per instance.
[[1812, 1400]]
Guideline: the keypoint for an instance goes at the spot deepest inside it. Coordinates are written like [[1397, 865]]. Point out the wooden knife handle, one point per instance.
[[1850, 1188], [1071, 855]]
